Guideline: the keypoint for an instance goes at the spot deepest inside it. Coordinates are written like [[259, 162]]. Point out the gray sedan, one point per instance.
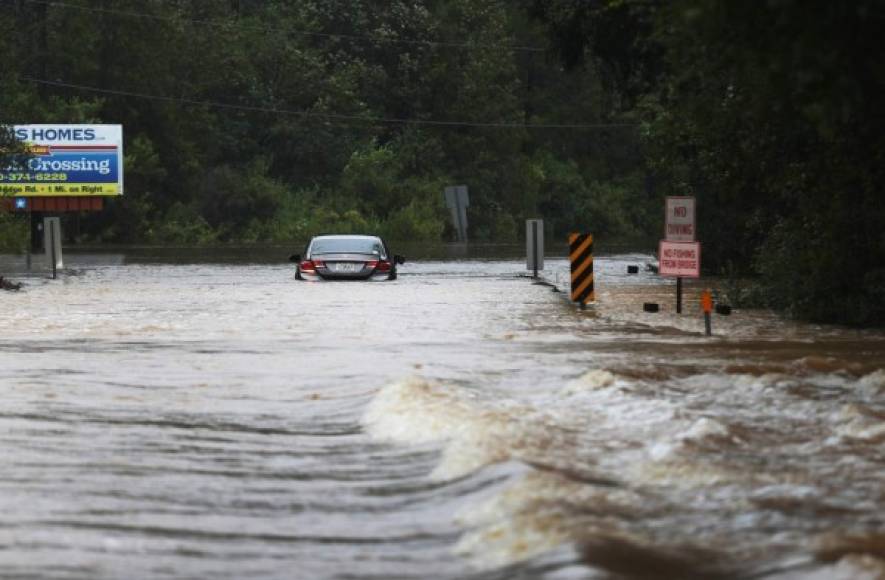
[[346, 257]]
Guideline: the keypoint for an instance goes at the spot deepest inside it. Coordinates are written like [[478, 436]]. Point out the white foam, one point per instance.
[[589, 381], [536, 515], [477, 432], [872, 386], [705, 428], [515, 539], [856, 422], [537, 488], [788, 491], [853, 567], [762, 382], [416, 411]]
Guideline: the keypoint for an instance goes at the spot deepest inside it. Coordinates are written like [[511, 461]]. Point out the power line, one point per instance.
[[309, 33], [327, 116]]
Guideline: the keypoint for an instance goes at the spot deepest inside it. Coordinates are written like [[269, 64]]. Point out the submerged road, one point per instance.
[[225, 421]]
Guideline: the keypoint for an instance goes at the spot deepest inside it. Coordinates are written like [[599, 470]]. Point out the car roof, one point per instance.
[[346, 237]]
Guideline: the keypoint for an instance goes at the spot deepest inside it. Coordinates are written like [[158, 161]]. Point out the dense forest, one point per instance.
[[269, 120]]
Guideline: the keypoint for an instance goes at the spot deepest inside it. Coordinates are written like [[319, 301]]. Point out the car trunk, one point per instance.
[[345, 265]]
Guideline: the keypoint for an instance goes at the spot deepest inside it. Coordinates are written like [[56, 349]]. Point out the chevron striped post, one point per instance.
[[581, 259]]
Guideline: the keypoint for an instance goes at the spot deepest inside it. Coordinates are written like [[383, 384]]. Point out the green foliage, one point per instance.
[[764, 111], [248, 131], [287, 155], [236, 202], [181, 225], [421, 220], [13, 234]]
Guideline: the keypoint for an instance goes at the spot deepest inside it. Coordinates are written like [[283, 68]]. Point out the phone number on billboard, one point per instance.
[[31, 177]]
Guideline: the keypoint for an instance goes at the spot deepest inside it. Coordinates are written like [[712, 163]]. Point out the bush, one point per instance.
[[231, 200], [418, 221], [13, 234], [182, 225]]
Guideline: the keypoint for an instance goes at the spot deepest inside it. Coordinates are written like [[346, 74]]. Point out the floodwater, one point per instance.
[[222, 420]]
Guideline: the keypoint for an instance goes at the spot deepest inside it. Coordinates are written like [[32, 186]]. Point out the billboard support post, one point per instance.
[[30, 238], [52, 238]]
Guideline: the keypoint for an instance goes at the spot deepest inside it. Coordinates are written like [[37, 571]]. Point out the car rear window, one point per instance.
[[346, 246]]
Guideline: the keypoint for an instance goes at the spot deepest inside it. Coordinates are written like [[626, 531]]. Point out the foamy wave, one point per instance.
[[539, 513], [684, 473], [705, 428], [761, 382], [477, 432], [859, 422], [417, 411], [860, 557], [872, 386], [539, 488], [854, 567], [516, 538], [589, 381], [704, 431]]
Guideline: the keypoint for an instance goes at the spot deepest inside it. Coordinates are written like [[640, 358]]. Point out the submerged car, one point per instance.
[[346, 258]]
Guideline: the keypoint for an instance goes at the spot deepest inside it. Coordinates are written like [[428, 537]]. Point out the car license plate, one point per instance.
[[346, 267]]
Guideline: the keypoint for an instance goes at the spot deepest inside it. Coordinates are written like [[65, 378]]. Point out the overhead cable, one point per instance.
[[307, 33], [320, 115]]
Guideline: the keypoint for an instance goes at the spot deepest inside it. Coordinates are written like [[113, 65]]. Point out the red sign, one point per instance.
[[679, 259], [679, 219]]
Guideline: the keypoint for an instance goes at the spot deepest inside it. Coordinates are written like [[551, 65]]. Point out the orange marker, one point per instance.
[[707, 301], [707, 306]]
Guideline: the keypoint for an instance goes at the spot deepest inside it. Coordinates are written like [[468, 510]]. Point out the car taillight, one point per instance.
[[307, 265], [381, 266]]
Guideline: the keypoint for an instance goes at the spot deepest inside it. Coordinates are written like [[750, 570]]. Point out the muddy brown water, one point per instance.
[[221, 420]]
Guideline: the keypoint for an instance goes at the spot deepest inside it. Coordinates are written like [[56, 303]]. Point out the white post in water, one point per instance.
[[458, 200], [52, 243], [534, 246]]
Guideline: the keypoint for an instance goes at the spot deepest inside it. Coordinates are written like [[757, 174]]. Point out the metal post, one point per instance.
[[52, 245], [678, 295], [52, 237], [535, 249], [30, 237]]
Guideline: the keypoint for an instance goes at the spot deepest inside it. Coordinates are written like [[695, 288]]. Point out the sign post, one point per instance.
[[534, 239], [52, 237], [458, 200], [684, 258]]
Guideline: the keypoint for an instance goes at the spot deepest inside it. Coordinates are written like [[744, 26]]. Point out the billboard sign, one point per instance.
[[679, 259], [680, 219], [67, 160]]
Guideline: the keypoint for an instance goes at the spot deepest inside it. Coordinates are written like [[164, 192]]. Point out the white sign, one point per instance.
[[679, 259], [680, 219]]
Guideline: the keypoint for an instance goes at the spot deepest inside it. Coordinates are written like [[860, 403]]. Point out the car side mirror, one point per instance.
[[399, 259], [295, 258]]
